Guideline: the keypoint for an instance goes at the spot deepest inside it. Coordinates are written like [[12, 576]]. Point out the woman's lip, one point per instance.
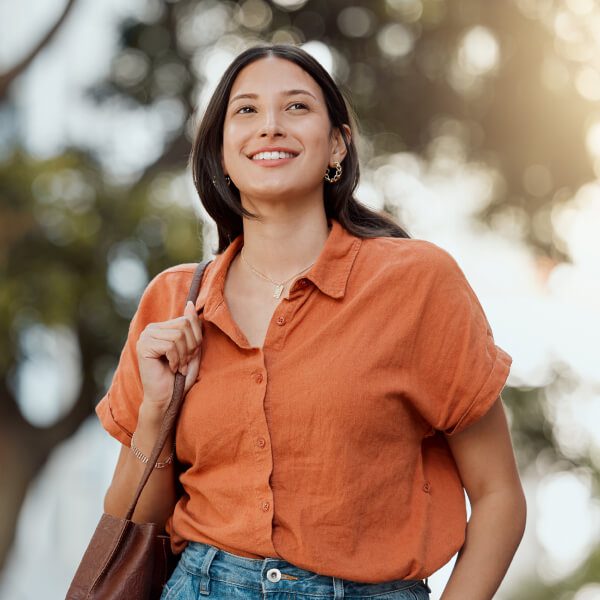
[[275, 162]]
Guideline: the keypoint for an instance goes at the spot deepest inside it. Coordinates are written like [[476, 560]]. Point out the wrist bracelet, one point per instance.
[[159, 465]]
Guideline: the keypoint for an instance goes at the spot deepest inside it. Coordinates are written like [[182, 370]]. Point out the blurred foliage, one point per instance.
[[62, 225], [63, 222], [402, 64], [533, 589]]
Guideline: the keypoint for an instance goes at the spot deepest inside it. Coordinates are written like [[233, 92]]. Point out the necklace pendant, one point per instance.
[[277, 291]]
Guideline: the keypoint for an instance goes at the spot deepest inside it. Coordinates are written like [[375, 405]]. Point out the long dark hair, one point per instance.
[[222, 201]]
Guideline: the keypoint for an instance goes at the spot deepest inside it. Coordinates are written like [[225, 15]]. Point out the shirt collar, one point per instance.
[[329, 273]]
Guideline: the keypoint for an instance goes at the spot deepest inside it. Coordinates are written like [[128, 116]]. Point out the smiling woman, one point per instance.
[[284, 98], [343, 383]]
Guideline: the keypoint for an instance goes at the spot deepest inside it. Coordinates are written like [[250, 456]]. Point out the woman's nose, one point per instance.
[[271, 124]]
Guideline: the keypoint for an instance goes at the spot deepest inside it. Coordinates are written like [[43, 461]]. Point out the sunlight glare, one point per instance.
[[321, 53], [479, 51], [566, 535], [48, 380]]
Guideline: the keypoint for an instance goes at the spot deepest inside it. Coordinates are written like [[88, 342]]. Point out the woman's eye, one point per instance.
[[244, 110]]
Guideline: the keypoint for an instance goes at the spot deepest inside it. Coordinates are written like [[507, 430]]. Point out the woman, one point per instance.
[[342, 380]]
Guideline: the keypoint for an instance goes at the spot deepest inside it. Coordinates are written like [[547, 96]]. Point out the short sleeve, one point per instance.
[[458, 370], [163, 298]]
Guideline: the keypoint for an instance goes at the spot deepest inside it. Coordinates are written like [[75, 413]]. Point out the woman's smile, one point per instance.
[[272, 157]]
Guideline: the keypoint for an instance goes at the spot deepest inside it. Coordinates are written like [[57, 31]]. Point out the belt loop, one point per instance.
[[338, 588], [204, 574]]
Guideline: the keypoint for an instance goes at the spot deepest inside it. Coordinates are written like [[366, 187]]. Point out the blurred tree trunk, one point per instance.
[[24, 449], [7, 78]]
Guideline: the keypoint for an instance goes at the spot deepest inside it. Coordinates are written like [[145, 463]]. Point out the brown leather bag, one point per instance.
[[127, 560]]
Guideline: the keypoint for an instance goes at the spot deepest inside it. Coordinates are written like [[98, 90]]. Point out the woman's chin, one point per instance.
[[281, 190]]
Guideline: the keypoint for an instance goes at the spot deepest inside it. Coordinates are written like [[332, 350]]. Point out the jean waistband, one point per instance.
[[275, 575]]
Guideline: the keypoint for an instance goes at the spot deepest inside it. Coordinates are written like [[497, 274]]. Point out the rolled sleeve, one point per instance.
[[110, 423], [488, 394], [459, 371], [163, 299], [118, 409]]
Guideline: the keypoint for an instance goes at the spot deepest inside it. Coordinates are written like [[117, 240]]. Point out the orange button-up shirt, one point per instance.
[[325, 446]]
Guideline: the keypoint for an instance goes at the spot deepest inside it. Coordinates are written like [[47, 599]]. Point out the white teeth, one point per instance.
[[272, 155]]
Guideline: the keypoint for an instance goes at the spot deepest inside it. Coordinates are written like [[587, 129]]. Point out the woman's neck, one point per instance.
[[279, 249]]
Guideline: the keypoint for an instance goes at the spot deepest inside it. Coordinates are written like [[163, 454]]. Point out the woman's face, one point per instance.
[[277, 138]]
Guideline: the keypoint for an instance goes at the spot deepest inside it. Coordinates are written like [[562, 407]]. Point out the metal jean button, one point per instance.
[[274, 575]]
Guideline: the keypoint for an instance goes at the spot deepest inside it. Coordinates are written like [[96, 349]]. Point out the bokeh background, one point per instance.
[[479, 131]]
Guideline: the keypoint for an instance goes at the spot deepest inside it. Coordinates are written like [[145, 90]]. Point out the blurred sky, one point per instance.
[[545, 315]]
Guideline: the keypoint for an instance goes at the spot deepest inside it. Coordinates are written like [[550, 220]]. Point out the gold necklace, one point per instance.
[[278, 286]]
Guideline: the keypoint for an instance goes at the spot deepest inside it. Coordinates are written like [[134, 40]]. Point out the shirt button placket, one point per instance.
[[260, 441]]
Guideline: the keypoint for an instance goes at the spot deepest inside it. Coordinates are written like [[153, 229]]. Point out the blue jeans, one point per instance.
[[205, 571]]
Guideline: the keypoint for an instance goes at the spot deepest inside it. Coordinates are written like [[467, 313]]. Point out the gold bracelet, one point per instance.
[[159, 465]]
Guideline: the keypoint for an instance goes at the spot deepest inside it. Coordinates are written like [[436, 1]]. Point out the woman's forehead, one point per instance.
[[272, 75]]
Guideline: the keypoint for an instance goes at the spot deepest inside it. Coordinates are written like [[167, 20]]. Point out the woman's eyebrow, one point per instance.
[[298, 91], [285, 93]]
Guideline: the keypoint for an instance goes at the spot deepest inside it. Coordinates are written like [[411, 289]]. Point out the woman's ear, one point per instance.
[[338, 147]]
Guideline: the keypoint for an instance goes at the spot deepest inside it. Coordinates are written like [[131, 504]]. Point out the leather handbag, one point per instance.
[[127, 560]]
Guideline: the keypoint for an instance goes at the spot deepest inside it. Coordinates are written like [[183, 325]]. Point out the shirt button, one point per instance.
[[258, 378], [426, 487], [302, 283], [265, 506], [260, 442], [274, 575], [280, 320]]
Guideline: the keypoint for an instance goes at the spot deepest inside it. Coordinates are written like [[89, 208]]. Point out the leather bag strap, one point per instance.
[[174, 407]]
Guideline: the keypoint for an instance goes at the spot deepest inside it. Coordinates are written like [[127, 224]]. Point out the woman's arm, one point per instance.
[[162, 349], [158, 499], [485, 459]]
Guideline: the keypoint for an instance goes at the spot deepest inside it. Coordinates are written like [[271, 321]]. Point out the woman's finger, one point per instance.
[[192, 315], [190, 338], [178, 352], [184, 327], [192, 370], [156, 349]]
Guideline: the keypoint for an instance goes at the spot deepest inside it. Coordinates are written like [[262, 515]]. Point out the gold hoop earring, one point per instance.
[[338, 173]]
